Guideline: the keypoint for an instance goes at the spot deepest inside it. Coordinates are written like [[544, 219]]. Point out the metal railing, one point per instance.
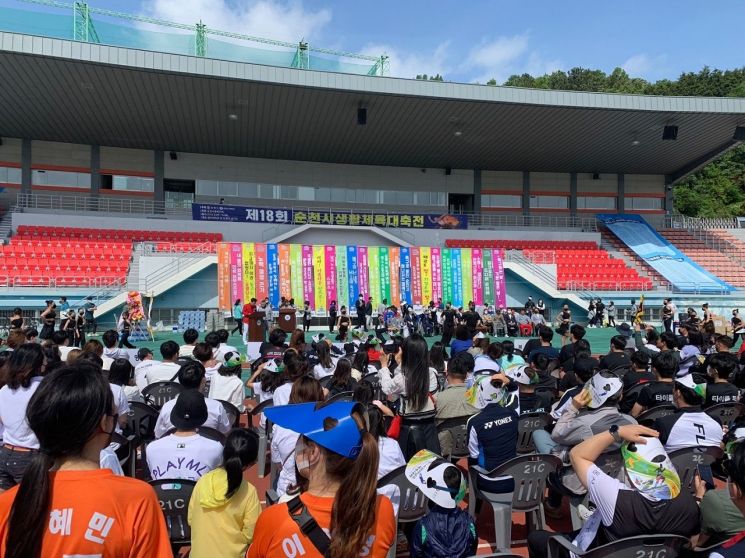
[[105, 204], [180, 261], [692, 223]]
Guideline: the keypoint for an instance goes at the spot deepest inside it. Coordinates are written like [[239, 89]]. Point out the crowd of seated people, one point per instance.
[[340, 418]]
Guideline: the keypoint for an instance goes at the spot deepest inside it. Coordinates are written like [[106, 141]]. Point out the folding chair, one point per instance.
[[656, 546], [159, 393], [265, 435], [526, 425], [454, 433], [174, 495]]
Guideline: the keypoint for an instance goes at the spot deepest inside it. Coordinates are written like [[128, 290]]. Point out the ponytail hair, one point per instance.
[[240, 451], [351, 520], [65, 412], [509, 349]]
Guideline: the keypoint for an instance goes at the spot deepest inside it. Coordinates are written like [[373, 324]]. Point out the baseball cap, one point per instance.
[[190, 410], [233, 359], [689, 382], [426, 471]]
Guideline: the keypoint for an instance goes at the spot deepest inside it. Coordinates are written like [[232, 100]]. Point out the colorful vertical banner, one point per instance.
[[478, 277], [363, 285], [425, 263], [405, 274], [457, 277], [236, 272], [249, 272], [488, 269], [353, 276], [262, 286], [385, 275], [307, 277], [272, 269], [331, 276], [373, 261], [447, 276], [342, 277], [466, 255], [394, 255], [416, 276], [436, 275], [500, 286], [223, 276], [296, 274], [285, 283], [319, 278]]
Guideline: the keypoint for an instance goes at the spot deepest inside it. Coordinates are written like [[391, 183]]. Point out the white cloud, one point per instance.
[[410, 64], [642, 65], [501, 57], [271, 19]]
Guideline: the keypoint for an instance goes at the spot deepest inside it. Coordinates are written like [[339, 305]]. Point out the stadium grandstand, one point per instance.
[[178, 170]]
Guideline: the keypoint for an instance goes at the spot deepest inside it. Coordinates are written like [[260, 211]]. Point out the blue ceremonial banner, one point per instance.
[[243, 214], [272, 257], [457, 273], [352, 276], [405, 272]]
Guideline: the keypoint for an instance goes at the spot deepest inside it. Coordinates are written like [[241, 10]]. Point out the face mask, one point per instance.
[[301, 461]]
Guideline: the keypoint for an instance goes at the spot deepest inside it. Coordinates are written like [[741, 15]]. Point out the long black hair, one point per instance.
[[324, 354], [342, 374], [240, 451], [509, 349], [25, 363], [64, 413], [415, 368], [361, 362], [437, 356]]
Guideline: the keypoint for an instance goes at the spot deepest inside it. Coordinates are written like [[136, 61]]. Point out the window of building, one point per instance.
[[501, 200], [596, 202], [642, 203], [549, 202], [10, 175], [132, 183], [61, 178]]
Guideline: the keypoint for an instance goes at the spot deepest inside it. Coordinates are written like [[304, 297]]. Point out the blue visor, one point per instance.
[[304, 418]]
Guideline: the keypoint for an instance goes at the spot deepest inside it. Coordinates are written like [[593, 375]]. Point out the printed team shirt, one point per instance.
[[688, 427], [183, 457], [278, 535], [654, 394], [96, 514], [721, 393]]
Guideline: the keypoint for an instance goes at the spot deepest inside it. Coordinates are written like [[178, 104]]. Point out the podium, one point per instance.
[[287, 319], [256, 327]]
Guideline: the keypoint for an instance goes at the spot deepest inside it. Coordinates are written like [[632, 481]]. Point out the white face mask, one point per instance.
[[301, 461]]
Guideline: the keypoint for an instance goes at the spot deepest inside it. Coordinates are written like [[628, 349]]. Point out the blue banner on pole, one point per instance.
[[352, 276], [457, 273], [405, 272], [243, 214], [272, 256]]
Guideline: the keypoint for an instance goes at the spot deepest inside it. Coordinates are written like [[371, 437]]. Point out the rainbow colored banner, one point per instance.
[[322, 273]]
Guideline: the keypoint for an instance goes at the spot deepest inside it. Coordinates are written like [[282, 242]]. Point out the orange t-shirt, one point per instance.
[[97, 513], [277, 535]]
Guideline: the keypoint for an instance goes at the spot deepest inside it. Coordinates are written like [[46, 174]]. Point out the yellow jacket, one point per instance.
[[221, 527]]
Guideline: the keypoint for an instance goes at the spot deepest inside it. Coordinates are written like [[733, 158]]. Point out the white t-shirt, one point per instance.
[[263, 396], [211, 372], [64, 350], [282, 394], [106, 362], [391, 458], [228, 388], [133, 394], [109, 460], [216, 417], [114, 353], [120, 400], [222, 350], [283, 452], [13, 403], [162, 372], [183, 457], [186, 351], [319, 371], [141, 369]]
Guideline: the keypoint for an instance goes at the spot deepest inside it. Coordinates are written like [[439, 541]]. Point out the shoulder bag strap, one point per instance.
[[308, 525]]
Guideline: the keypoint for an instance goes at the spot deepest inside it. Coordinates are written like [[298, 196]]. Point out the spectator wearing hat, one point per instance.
[[184, 454], [689, 425], [446, 529], [643, 503], [191, 376], [227, 385], [492, 433], [527, 379]]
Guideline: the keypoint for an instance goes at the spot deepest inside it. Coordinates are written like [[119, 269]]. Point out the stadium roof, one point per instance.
[[62, 90]]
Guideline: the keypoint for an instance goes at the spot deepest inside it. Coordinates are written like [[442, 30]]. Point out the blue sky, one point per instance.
[[474, 40]]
